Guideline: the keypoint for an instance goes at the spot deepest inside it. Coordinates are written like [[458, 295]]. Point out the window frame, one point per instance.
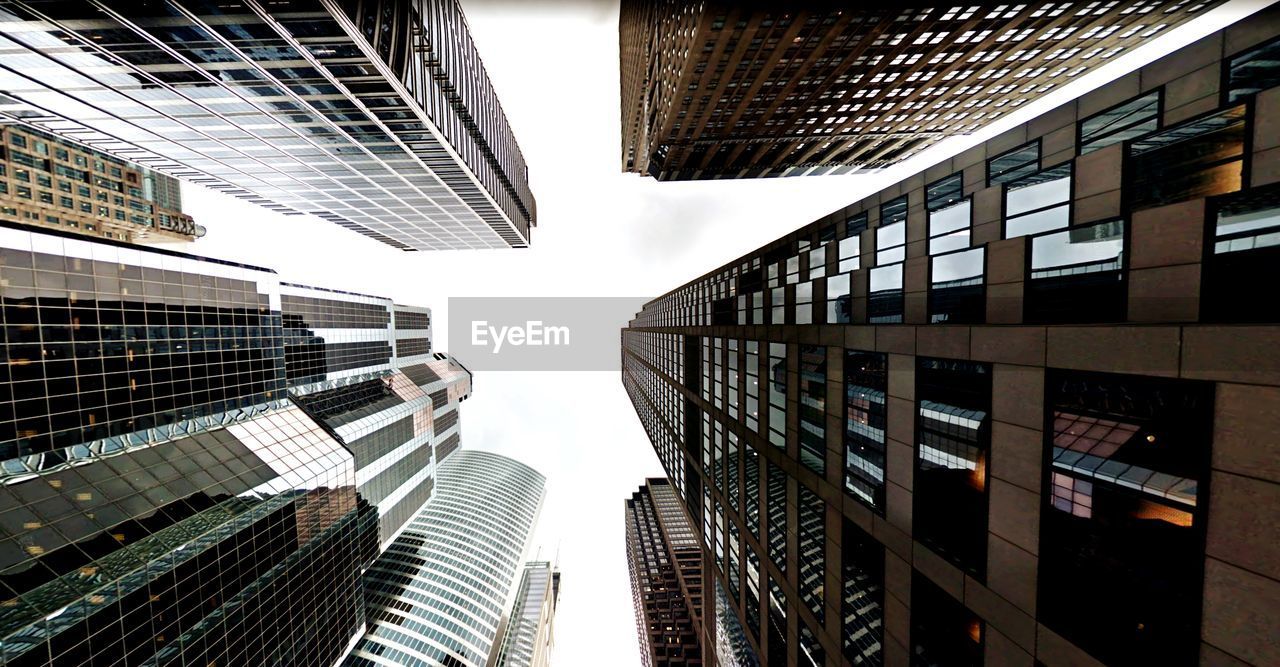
[[1160, 125], [1037, 142]]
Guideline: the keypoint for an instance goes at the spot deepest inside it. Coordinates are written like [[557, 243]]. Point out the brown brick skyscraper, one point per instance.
[[722, 89], [666, 577]]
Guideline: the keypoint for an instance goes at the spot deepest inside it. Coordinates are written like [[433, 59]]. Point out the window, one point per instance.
[[957, 292], [1121, 533], [1014, 164], [953, 438], [753, 592], [811, 653], [751, 490], [1245, 228], [804, 302], [862, 596], [885, 299], [776, 496], [943, 631], [1253, 71], [753, 385], [777, 624], [778, 394], [839, 300], [1077, 275], [733, 380], [1199, 158], [866, 381], [891, 234], [855, 225], [950, 215], [818, 262], [1038, 202], [813, 412], [1120, 123], [812, 544], [18, 140]]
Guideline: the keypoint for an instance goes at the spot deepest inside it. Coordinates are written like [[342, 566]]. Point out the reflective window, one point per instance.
[[804, 302], [751, 490], [950, 214], [778, 394], [1120, 123], [812, 557], [957, 291], [943, 632], [1253, 71], [753, 385], [862, 596], [1245, 230], [1121, 533], [953, 441], [813, 401], [1013, 165], [1038, 202], [885, 299], [866, 379], [1199, 158], [850, 249], [1077, 275], [839, 300], [777, 624], [855, 225], [891, 233], [776, 496], [811, 653]]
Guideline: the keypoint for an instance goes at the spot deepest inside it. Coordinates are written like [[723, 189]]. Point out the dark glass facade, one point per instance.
[[168, 481]]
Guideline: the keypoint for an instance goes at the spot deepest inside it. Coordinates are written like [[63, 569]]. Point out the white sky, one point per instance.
[[600, 233]]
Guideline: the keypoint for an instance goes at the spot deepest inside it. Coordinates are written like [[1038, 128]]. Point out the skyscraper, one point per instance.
[[442, 589], [1018, 407], [528, 636], [161, 491], [751, 89], [375, 115], [189, 446], [46, 181], [666, 577]]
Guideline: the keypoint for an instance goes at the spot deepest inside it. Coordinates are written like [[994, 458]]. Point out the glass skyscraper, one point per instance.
[[375, 115], [440, 592], [190, 447]]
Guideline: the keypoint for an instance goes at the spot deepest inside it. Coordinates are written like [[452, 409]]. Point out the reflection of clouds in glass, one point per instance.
[[1031, 197], [1099, 243], [886, 277], [958, 265]]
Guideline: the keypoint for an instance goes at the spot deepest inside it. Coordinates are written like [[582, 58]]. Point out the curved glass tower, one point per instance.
[[440, 591]]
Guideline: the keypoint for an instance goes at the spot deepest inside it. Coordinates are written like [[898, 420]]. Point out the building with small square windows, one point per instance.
[[665, 563], [1017, 408], [719, 89], [46, 181]]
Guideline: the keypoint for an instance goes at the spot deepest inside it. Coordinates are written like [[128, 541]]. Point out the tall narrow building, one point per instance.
[[439, 593], [722, 89], [666, 577], [528, 637], [374, 115], [1017, 408]]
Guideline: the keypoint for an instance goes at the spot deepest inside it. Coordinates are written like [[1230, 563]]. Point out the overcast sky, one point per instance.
[[600, 233]]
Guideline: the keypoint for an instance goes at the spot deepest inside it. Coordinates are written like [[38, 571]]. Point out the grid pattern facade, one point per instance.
[[665, 563], [438, 594], [46, 181], [1065, 450], [377, 116], [741, 90], [168, 481], [529, 635]]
